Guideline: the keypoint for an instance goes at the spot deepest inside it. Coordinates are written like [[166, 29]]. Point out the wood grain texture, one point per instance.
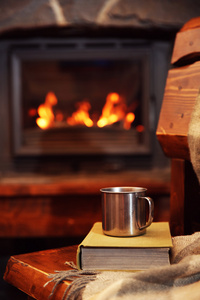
[[187, 42], [184, 200], [29, 272], [181, 91], [177, 198], [187, 45]]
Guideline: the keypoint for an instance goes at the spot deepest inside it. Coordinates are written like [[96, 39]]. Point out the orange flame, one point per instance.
[[113, 110], [130, 117], [45, 112], [81, 115]]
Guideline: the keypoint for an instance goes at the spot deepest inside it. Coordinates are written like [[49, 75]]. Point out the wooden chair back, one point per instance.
[[181, 90]]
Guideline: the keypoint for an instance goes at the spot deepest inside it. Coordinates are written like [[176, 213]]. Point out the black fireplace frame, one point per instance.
[[79, 49]]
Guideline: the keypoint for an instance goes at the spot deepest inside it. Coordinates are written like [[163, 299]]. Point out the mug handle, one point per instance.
[[151, 212]]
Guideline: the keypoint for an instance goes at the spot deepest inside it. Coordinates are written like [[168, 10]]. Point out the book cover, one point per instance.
[[99, 251]]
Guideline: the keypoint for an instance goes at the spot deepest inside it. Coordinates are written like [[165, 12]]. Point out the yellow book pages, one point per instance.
[[157, 235]]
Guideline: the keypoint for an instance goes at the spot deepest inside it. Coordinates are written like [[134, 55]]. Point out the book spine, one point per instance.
[[78, 257]]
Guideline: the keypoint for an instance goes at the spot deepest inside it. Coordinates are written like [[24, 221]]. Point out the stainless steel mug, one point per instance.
[[125, 211]]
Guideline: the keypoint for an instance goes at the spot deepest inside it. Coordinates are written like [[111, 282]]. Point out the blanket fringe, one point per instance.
[[79, 279]]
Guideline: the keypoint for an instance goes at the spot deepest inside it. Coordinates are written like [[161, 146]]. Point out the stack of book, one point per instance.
[[101, 252]]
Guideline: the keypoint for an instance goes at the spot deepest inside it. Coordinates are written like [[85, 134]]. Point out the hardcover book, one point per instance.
[[101, 252]]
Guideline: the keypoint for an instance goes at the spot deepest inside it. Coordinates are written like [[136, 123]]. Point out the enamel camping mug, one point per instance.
[[126, 211]]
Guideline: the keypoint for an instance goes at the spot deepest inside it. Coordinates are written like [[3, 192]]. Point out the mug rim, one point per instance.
[[123, 189]]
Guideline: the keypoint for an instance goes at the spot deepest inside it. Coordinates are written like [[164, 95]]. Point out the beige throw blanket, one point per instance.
[[194, 137], [178, 281]]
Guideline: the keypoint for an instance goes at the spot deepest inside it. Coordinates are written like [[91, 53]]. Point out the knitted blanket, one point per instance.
[[177, 281]]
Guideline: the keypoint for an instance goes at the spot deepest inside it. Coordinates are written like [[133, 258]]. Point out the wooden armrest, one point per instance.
[[29, 272]]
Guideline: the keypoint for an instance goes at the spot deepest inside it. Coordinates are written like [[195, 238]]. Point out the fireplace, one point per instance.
[[97, 100], [52, 168], [80, 57]]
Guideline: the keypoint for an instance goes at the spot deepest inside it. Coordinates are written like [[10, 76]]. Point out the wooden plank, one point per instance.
[[177, 197], [174, 146], [184, 199], [182, 88], [191, 24], [187, 43], [186, 46], [29, 272]]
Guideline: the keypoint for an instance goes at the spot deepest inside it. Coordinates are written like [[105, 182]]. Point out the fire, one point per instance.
[[81, 115], [130, 117], [114, 110], [45, 111]]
